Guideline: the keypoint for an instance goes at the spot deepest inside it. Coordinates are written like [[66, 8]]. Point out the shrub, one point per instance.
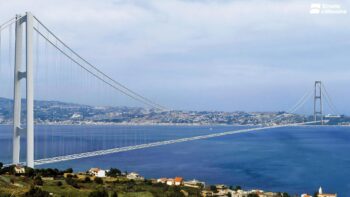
[[69, 170], [99, 193], [87, 180], [8, 169], [114, 172], [213, 188], [36, 192], [49, 172], [38, 181], [29, 172], [72, 182], [69, 176], [59, 183], [98, 180]]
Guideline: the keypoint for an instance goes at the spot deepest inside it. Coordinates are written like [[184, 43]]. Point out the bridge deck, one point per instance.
[[153, 144]]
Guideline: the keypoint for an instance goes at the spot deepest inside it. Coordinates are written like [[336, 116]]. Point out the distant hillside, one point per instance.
[[56, 112]]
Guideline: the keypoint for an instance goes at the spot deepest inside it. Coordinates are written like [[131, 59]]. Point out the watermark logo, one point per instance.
[[323, 8]]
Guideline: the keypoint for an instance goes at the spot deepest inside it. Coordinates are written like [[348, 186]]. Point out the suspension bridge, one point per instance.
[[28, 35]]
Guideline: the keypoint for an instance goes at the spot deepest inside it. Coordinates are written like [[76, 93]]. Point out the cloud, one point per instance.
[[225, 50]]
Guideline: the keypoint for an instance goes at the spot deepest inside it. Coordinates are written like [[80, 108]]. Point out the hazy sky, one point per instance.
[[207, 55]]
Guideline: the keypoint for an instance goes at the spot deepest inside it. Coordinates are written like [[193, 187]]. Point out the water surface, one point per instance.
[[293, 159]]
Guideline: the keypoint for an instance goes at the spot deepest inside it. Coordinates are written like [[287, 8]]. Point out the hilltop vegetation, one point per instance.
[[53, 182]]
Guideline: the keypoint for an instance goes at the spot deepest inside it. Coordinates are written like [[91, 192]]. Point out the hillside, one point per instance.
[[56, 112]]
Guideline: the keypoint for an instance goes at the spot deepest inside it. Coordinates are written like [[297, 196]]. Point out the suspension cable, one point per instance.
[[297, 106], [10, 22], [126, 89], [10, 46], [0, 51], [94, 74], [329, 100], [7, 23], [301, 102]]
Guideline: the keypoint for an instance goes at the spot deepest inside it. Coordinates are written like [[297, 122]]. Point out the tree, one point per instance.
[[1, 165], [253, 195], [29, 172], [213, 188], [36, 192], [315, 194], [115, 194], [72, 182], [284, 194], [8, 169], [99, 193], [98, 180], [114, 172], [59, 184], [87, 180], [38, 181], [147, 182], [69, 170], [238, 188]]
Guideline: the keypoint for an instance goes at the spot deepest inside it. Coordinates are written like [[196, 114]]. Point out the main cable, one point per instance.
[[297, 106], [158, 106], [94, 74], [329, 100], [10, 22]]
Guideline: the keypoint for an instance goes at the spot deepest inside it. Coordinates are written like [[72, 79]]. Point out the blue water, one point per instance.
[[294, 159]]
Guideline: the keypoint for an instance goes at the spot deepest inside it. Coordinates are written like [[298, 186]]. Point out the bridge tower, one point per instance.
[[318, 109], [18, 76]]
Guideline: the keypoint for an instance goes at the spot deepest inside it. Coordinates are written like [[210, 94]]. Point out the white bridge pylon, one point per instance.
[[18, 76]]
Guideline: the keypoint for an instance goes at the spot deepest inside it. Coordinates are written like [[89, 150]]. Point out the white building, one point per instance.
[[170, 182], [19, 169], [162, 180], [321, 194], [97, 172], [222, 190], [178, 181], [239, 193], [194, 183], [305, 195], [101, 173], [134, 176]]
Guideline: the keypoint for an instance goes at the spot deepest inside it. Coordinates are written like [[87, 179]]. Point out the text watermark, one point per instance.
[[323, 8]]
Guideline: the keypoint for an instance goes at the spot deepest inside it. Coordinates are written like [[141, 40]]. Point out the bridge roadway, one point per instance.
[[154, 144]]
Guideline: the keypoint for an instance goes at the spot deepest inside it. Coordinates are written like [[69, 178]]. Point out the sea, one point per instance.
[[296, 159]]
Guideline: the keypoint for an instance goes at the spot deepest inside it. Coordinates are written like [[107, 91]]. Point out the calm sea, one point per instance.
[[293, 159]]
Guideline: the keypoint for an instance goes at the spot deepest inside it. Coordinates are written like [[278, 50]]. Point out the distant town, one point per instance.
[[16, 180], [55, 112]]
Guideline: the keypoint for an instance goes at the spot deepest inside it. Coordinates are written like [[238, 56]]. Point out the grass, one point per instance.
[[65, 189], [19, 187]]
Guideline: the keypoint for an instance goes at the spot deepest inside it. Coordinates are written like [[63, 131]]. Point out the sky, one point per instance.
[[260, 55]]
